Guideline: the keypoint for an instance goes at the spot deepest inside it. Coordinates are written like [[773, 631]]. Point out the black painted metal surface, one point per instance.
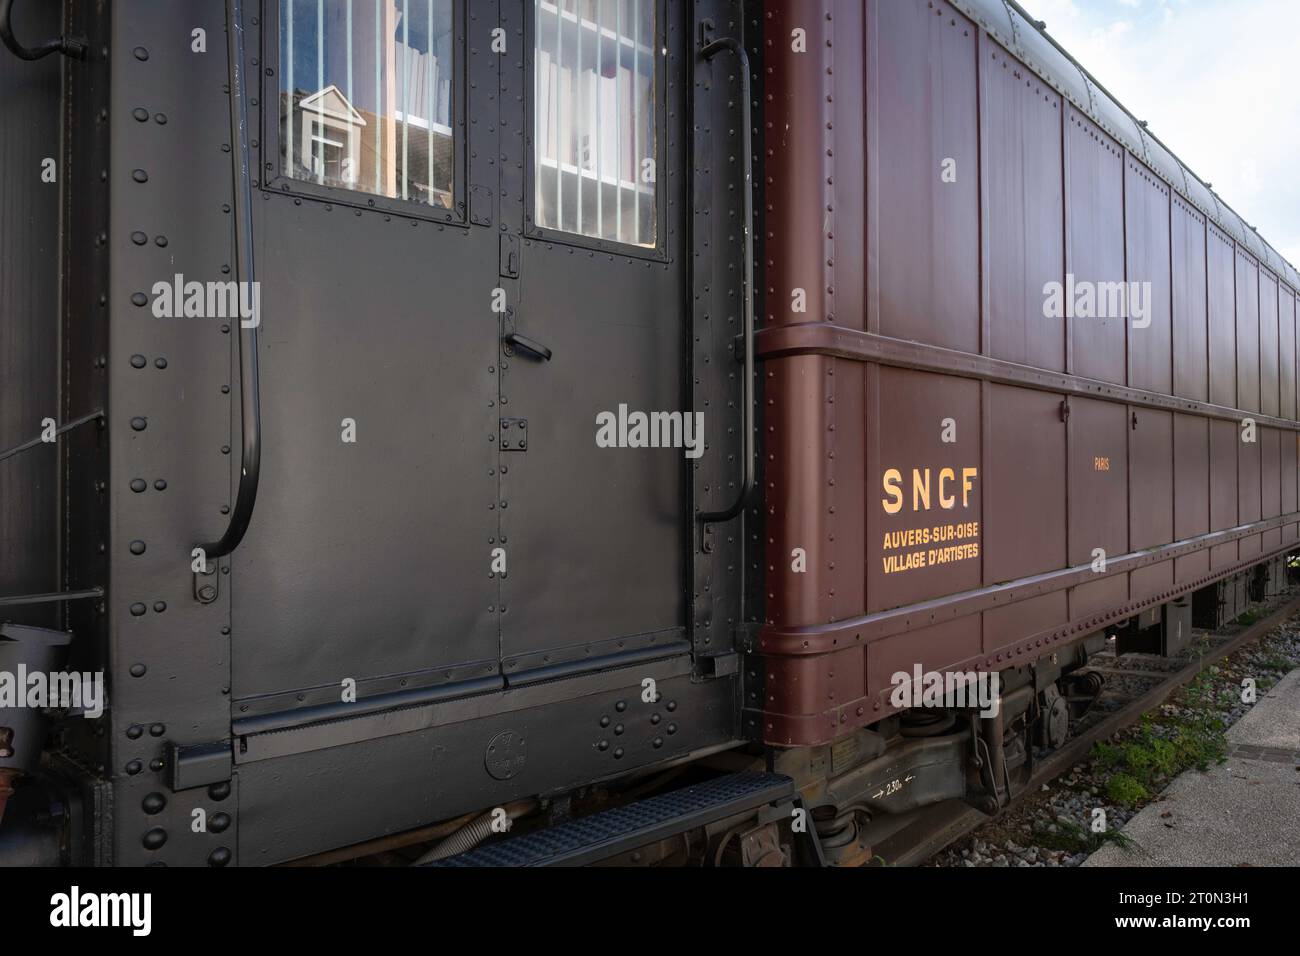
[[370, 561], [29, 314]]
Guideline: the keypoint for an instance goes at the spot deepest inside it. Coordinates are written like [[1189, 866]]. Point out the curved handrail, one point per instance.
[[245, 272], [709, 51], [74, 47]]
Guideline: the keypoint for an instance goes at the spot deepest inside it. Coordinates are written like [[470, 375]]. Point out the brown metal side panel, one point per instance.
[[1191, 331], [1295, 309], [938, 645], [1223, 488], [1268, 344], [1024, 485], [1290, 482], [1146, 226], [1222, 315], [925, 78], [1151, 506], [1286, 354], [1191, 491], [1098, 479], [1098, 505], [1270, 480], [814, 406], [1095, 168], [1248, 492], [801, 570], [1025, 199], [848, 241], [1024, 507], [1247, 332], [924, 503]]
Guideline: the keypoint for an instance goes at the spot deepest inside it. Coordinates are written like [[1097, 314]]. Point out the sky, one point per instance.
[[1218, 81]]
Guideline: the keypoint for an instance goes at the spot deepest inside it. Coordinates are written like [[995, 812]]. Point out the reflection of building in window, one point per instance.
[[595, 108], [331, 137], [366, 96]]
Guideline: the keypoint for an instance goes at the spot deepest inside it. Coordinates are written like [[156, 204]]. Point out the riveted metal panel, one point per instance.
[[724, 581], [1224, 505], [1098, 479], [1191, 490], [436, 769], [1200, 195], [1247, 271], [1286, 353], [927, 491], [1270, 481], [1038, 51], [1011, 26], [170, 421], [814, 406], [1269, 374], [1095, 173], [1289, 456], [1117, 122], [406, 513], [29, 317], [1024, 484], [1025, 200], [1146, 225], [1249, 505], [925, 95], [617, 324], [958, 640], [1191, 331], [1222, 319], [1151, 506], [1166, 165]]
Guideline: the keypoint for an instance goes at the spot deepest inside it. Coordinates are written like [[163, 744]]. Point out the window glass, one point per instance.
[[366, 96], [594, 102]]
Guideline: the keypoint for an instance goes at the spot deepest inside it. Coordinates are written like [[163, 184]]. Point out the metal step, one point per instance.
[[602, 835]]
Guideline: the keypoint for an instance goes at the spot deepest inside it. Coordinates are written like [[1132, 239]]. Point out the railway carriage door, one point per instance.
[[367, 560], [596, 430]]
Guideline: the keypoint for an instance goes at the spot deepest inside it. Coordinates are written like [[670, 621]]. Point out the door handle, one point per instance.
[[522, 343]]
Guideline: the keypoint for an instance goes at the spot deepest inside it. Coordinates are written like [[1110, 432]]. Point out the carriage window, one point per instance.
[[366, 96], [594, 102]]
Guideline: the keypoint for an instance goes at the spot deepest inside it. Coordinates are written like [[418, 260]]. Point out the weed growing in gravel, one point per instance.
[[1070, 837], [1160, 748]]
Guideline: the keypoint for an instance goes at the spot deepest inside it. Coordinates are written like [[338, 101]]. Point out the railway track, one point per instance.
[[936, 828]]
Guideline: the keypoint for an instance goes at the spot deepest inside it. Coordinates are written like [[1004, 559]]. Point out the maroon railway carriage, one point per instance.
[[925, 355]]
